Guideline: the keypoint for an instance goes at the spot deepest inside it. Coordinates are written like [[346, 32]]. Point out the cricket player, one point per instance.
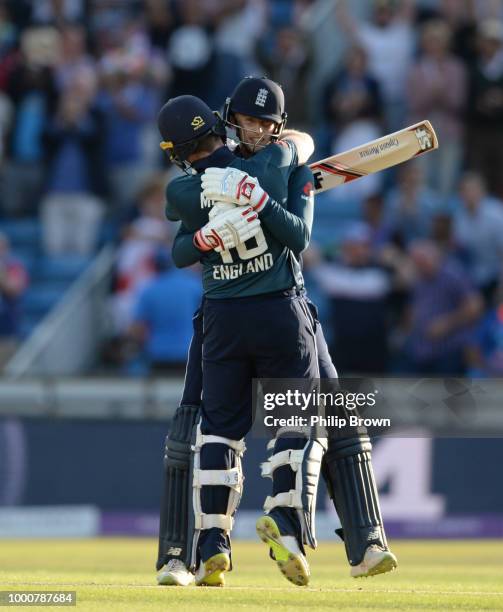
[[256, 126], [253, 293]]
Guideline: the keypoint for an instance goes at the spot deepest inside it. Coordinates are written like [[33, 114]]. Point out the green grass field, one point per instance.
[[117, 574]]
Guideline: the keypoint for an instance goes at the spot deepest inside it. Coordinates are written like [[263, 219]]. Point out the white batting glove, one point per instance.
[[219, 208], [232, 185], [227, 229], [244, 224], [215, 235]]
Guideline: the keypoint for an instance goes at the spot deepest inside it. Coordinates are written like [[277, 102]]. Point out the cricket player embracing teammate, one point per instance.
[[256, 111]]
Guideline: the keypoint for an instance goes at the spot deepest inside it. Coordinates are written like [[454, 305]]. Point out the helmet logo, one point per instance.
[[261, 97], [197, 122]]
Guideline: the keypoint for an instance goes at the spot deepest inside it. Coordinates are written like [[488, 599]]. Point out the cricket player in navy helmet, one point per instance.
[[246, 241], [256, 112]]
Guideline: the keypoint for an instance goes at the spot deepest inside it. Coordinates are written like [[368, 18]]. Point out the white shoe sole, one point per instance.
[[293, 566]]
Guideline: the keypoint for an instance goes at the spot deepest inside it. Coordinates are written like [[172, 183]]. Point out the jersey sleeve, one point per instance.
[[171, 210], [183, 251], [281, 154], [292, 225]]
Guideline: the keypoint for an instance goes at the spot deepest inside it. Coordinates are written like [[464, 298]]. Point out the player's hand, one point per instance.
[[215, 235], [227, 229], [232, 185], [244, 224]]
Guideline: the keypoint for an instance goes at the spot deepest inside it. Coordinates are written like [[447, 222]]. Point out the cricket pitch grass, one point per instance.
[[117, 574]]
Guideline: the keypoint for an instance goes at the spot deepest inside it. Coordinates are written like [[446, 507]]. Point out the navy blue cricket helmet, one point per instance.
[[257, 97], [182, 122]]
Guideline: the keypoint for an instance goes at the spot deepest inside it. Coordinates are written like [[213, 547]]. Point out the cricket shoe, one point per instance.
[[285, 551], [375, 561], [211, 572], [174, 573]]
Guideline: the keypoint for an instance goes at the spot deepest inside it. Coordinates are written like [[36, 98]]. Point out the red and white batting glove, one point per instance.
[[232, 185], [243, 224], [214, 235], [227, 229]]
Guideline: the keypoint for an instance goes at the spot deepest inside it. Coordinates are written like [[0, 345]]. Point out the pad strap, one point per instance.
[[289, 499], [237, 445], [232, 478], [290, 457], [210, 521]]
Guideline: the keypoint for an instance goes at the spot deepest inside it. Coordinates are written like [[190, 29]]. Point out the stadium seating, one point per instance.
[[50, 277]]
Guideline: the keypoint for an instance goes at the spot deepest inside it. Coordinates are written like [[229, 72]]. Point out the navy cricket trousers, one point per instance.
[[267, 336], [193, 384]]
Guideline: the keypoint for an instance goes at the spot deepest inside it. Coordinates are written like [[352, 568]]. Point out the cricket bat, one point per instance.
[[374, 156]]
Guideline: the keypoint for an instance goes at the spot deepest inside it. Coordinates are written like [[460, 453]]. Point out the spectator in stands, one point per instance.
[[129, 104], [31, 88], [389, 252], [159, 22], [389, 43], [285, 55], [437, 90], [141, 239], [6, 114], [163, 312], [352, 108], [358, 289], [478, 231], [410, 205], [443, 309], [198, 66], [353, 94], [9, 38], [444, 236], [485, 107], [13, 282], [238, 24], [485, 111], [150, 201], [490, 340], [461, 16], [59, 11], [76, 63], [108, 21], [72, 208], [373, 216]]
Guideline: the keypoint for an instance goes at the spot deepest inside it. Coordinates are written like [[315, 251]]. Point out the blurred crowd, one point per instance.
[[404, 265]]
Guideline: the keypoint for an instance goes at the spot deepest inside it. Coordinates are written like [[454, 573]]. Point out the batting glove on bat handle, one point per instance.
[[233, 185]]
